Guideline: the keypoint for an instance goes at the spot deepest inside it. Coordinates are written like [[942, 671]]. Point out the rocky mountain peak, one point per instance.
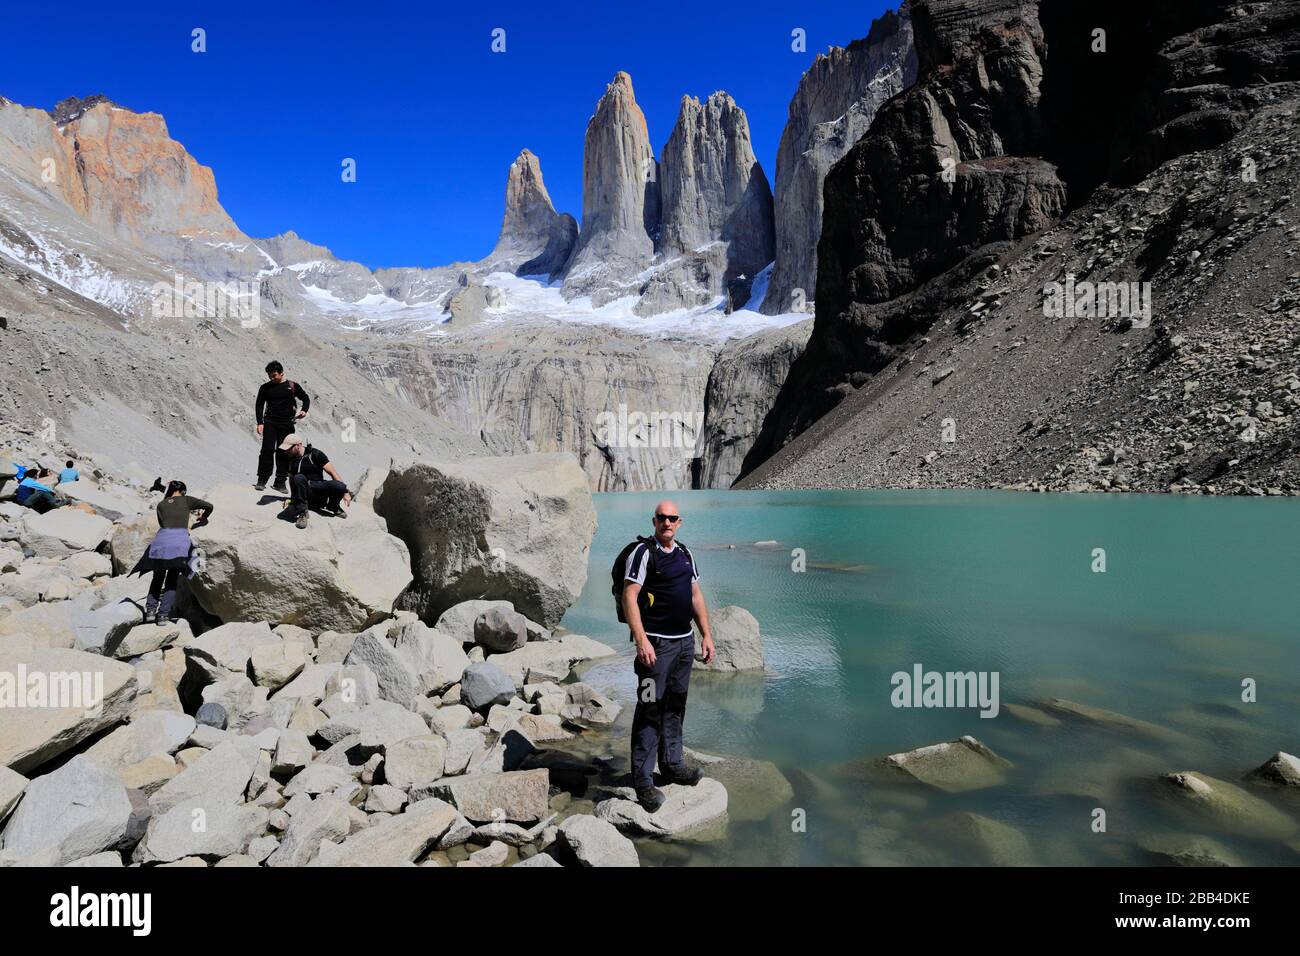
[[620, 197], [73, 107], [534, 238], [834, 105], [716, 222]]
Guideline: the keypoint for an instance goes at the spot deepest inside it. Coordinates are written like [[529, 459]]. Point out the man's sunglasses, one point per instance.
[[673, 518]]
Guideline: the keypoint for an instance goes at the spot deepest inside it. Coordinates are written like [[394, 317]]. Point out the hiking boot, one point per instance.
[[150, 617], [302, 520], [281, 487], [651, 798], [260, 486], [340, 513], [687, 776]]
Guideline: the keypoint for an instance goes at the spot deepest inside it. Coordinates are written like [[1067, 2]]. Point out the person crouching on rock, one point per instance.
[[308, 468], [661, 597], [171, 551]]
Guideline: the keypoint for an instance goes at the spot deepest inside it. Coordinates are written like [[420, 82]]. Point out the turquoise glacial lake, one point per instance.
[[1199, 599]]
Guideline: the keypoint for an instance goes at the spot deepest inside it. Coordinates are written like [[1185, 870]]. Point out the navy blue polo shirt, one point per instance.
[[665, 600]]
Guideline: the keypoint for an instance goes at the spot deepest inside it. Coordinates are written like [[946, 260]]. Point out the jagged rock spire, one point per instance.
[[713, 187], [534, 238], [620, 197]]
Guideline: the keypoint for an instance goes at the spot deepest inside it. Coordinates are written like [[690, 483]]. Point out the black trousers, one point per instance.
[[272, 434], [43, 501], [315, 494], [661, 708], [163, 585]]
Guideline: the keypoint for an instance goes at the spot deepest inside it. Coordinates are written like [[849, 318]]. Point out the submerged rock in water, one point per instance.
[[755, 788], [1226, 806], [980, 840], [1031, 715], [1100, 779], [697, 813], [736, 638], [1107, 718], [1280, 770], [954, 766], [1187, 849]]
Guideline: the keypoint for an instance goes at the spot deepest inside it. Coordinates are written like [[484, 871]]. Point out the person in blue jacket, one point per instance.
[[36, 491]]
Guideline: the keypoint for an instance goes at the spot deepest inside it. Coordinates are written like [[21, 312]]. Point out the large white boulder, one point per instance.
[[226, 830], [410, 660], [736, 641], [381, 722], [12, 785], [219, 776], [597, 842], [63, 531], [152, 732], [519, 796], [396, 841], [74, 812], [514, 528], [551, 657], [35, 582], [696, 813], [333, 575], [99, 693], [130, 540], [114, 504]]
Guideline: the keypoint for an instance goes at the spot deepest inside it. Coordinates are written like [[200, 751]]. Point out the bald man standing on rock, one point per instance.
[[661, 597]]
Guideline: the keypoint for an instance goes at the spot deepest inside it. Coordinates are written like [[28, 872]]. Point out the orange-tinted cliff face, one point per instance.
[[131, 178], [118, 169]]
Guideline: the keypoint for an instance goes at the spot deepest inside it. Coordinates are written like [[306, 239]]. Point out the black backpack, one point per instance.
[[618, 573]]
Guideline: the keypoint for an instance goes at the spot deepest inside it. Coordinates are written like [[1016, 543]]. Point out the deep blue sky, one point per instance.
[[413, 93]]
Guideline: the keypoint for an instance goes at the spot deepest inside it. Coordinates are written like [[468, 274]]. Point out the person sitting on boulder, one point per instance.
[[171, 551], [69, 474], [308, 467]]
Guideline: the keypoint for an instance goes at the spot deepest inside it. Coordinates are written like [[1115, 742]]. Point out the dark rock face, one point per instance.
[[743, 383], [1204, 66], [72, 107], [1015, 117], [833, 107]]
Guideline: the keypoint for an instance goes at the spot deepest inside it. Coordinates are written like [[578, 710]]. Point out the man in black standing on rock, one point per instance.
[[277, 412], [661, 597]]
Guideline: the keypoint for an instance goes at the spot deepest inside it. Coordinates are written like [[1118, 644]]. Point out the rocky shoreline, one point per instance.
[[330, 696]]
